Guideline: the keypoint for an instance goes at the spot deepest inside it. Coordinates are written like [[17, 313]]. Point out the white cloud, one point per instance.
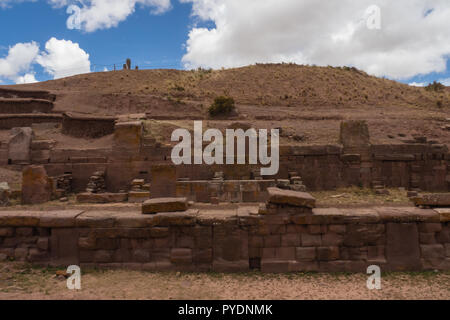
[[417, 84], [412, 40], [27, 78], [19, 60], [104, 14], [445, 82], [61, 58], [64, 58]]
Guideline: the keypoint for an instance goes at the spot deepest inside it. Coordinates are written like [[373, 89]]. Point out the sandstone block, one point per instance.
[[158, 205], [433, 200], [37, 187], [327, 253], [19, 145], [291, 198], [306, 254]]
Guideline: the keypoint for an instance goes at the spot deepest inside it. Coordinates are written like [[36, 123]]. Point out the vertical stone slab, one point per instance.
[[19, 151], [402, 247], [164, 181], [64, 247], [37, 187]]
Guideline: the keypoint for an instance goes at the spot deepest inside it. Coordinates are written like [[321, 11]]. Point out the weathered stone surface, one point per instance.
[[128, 135], [354, 133], [59, 219], [291, 198], [20, 218], [19, 145], [433, 200], [164, 181], [406, 214], [36, 185], [138, 196], [402, 246], [444, 214], [101, 197], [159, 205]]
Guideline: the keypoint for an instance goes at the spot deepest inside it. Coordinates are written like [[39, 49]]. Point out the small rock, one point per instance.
[[64, 199]]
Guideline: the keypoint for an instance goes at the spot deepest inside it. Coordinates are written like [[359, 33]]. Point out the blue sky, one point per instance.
[[411, 44]]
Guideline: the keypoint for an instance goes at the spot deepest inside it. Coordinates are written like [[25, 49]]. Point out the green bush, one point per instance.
[[222, 106]]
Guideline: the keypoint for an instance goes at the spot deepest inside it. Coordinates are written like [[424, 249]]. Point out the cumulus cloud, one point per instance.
[[26, 78], [63, 58], [92, 15], [414, 37], [19, 60]]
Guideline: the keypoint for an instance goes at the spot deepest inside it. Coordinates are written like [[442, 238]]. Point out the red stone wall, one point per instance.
[[330, 240]]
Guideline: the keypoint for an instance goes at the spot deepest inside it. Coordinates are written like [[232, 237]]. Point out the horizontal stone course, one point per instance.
[[325, 240]]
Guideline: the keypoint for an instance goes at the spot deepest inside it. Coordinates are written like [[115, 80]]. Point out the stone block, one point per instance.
[[285, 253], [433, 200], [327, 253], [427, 238], [290, 240], [19, 145], [332, 239], [164, 181], [432, 251], [181, 256], [159, 205], [138, 196], [306, 254], [128, 135], [311, 240], [37, 187], [354, 133], [402, 247], [291, 198]]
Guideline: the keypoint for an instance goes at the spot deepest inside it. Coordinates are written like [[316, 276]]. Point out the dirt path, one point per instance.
[[24, 282]]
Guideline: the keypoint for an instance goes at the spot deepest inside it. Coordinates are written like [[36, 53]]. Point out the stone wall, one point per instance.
[[81, 126], [12, 106], [283, 239], [36, 94], [9, 121]]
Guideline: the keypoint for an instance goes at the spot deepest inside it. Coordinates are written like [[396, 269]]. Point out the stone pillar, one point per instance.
[[37, 187], [19, 145], [355, 138], [164, 180]]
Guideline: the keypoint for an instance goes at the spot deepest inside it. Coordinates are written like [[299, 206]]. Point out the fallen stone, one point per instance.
[[158, 205], [291, 198], [433, 200], [37, 187]]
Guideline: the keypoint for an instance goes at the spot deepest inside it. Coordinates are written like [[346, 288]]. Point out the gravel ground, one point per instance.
[[18, 281]]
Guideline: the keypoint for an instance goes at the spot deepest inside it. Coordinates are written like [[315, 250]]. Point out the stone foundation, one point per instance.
[[232, 239]]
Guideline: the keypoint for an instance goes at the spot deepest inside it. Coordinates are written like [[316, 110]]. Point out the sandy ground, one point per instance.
[[24, 282]]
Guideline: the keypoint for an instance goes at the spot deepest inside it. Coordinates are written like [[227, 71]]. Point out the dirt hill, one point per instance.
[[308, 102]]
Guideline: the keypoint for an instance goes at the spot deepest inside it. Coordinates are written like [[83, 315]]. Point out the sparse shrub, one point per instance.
[[439, 104], [222, 106], [435, 86]]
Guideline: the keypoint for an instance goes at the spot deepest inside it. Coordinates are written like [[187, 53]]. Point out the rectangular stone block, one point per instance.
[[306, 254], [327, 253], [402, 246], [311, 240], [158, 205]]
